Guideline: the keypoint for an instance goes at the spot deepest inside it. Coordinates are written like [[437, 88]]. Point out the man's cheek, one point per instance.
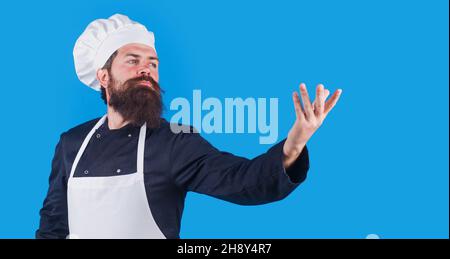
[[125, 73]]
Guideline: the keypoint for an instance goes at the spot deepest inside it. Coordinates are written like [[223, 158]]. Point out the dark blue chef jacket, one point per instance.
[[174, 164]]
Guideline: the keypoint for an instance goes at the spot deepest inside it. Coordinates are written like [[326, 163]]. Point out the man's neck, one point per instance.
[[115, 120]]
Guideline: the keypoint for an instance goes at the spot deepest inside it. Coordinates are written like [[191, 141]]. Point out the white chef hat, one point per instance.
[[101, 39]]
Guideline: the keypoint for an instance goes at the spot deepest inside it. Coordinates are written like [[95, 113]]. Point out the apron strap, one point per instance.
[[141, 149], [83, 146]]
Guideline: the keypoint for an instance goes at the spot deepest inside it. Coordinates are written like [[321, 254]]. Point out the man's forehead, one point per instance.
[[137, 49]]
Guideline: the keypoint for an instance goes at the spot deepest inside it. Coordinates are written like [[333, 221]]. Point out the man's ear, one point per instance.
[[103, 77]]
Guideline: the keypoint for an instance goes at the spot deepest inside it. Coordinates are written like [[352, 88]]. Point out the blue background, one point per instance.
[[379, 163]]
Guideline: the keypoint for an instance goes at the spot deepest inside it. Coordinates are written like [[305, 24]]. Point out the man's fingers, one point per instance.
[[297, 106], [319, 102], [326, 94], [332, 102], [306, 102]]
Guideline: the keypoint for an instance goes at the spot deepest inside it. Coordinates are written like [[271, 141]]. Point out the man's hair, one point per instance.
[[107, 66]]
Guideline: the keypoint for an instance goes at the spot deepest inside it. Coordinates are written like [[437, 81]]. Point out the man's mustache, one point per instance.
[[136, 80]]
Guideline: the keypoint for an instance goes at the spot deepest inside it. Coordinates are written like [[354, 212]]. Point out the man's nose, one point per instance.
[[144, 70]]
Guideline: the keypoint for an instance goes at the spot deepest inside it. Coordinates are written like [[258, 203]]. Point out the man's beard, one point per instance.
[[135, 102]]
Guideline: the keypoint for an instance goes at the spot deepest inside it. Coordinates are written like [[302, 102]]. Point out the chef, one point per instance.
[[126, 174]]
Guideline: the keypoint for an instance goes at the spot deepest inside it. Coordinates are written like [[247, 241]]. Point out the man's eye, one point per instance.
[[153, 65], [133, 61]]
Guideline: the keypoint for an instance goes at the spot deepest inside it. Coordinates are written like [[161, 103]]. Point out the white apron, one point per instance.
[[113, 206]]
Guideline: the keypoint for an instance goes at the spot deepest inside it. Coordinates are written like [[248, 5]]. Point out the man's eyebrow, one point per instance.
[[138, 56]]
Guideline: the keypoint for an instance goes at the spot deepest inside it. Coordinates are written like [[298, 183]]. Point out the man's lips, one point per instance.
[[146, 83]]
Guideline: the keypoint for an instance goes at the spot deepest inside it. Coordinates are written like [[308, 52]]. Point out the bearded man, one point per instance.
[[126, 174]]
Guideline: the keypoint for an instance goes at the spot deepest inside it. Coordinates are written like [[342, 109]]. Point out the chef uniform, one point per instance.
[[132, 182]]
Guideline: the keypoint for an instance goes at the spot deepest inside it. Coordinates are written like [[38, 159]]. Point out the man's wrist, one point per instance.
[[291, 154]]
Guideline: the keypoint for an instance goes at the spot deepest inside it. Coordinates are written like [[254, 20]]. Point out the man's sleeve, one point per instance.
[[54, 221], [198, 166]]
